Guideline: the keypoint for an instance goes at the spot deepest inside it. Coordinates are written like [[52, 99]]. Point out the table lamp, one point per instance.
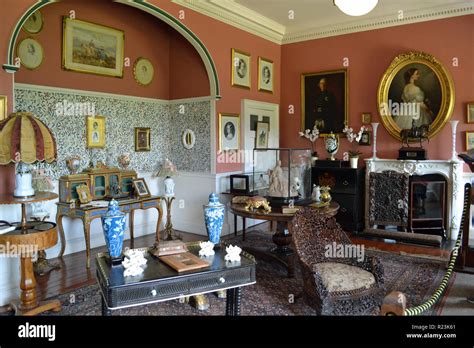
[[24, 140], [167, 171]]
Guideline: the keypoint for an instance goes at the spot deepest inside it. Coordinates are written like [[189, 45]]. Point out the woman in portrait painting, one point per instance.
[[414, 98]]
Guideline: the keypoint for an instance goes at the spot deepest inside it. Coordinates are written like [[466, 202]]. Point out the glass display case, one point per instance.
[[287, 175], [248, 183]]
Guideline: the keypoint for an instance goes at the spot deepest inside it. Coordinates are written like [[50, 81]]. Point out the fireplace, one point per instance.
[[434, 184]]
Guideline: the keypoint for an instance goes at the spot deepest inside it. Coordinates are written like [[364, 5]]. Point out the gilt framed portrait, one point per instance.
[[143, 71], [470, 112], [83, 194], [95, 131], [229, 132], [261, 135], [324, 101], [265, 75], [240, 69], [366, 118], [31, 53], [3, 107], [469, 141], [92, 48], [416, 90], [141, 188], [365, 138], [142, 139]]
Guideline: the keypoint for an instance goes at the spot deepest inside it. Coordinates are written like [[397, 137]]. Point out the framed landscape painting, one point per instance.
[[92, 48]]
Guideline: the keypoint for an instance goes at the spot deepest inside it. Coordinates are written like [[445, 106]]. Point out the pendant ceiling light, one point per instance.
[[356, 7]]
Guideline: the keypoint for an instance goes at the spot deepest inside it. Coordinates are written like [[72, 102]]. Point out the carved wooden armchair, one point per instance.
[[334, 285]]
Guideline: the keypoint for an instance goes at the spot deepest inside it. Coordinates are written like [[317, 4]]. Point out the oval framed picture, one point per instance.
[[34, 23], [143, 71], [30, 53]]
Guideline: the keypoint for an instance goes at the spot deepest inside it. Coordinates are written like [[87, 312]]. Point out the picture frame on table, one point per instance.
[[241, 74], [83, 194], [365, 138], [142, 139], [95, 128], [265, 75], [229, 132], [470, 112], [325, 101], [92, 48], [141, 188], [261, 135]]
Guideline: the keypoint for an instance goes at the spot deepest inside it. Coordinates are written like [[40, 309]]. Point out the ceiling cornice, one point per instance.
[[253, 22]]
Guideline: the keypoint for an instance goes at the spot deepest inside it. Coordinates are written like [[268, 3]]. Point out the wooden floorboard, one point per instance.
[[74, 275]]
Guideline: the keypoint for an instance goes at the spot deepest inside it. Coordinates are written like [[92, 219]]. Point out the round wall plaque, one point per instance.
[[143, 71], [30, 53], [34, 23], [189, 139]]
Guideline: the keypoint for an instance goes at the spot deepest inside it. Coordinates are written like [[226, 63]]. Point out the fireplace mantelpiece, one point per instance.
[[451, 170]]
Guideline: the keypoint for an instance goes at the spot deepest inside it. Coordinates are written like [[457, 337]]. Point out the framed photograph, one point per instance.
[[30, 53], [229, 132], [95, 131], [366, 118], [415, 90], [92, 48], [365, 138], [143, 71], [261, 136], [142, 139], [34, 23], [324, 101], [3, 107], [83, 194], [241, 69], [141, 188], [265, 75], [470, 112]]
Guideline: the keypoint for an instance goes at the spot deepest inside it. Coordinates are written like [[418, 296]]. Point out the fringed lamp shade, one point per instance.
[[24, 138]]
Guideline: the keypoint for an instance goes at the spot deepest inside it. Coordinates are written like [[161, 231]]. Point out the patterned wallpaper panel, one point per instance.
[[122, 116]]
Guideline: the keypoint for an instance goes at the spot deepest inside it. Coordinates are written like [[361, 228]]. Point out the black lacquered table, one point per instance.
[[159, 282]]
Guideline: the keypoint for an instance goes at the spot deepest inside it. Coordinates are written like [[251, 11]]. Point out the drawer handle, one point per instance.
[[344, 210], [153, 292], [345, 183], [222, 279]]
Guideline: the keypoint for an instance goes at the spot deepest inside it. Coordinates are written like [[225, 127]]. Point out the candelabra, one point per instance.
[[374, 148], [454, 125]]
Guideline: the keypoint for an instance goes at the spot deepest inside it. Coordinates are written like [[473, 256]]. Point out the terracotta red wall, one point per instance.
[[369, 54]]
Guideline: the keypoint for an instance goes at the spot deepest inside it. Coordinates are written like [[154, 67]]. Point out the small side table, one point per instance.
[[26, 238]]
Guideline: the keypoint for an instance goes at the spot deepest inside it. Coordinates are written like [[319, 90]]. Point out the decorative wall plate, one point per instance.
[[143, 71], [30, 53], [34, 23], [188, 139]]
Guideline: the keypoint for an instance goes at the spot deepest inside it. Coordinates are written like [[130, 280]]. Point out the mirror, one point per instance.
[[415, 90], [188, 139]]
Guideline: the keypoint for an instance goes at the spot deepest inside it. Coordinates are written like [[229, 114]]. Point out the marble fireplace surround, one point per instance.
[[451, 170]]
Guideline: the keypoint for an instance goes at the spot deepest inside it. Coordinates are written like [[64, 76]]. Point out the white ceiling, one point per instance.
[[320, 18]]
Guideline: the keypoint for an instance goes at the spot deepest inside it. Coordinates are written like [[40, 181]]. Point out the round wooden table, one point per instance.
[[27, 239], [282, 252]]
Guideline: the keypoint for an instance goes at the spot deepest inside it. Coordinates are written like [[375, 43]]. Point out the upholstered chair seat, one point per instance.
[[335, 285]]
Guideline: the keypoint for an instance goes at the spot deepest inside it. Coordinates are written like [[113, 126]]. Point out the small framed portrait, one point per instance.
[[229, 132], [34, 23], [365, 138], [366, 118], [141, 188], [470, 112], [30, 53], [83, 194], [469, 141], [261, 136], [240, 69], [324, 101], [95, 131], [3, 107], [265, 75], [143, 71], [142, 139]]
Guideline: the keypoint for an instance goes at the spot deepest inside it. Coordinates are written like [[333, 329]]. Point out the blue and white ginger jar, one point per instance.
[[214, 218], [113, 223]]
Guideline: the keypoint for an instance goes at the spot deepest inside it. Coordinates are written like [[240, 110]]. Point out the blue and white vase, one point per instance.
[[214, 218], [113, 223]]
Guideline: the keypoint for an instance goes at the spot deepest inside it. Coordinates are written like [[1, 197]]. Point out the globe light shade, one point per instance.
[[356, 7]]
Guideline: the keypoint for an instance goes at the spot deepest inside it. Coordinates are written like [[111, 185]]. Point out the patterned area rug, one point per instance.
[[274, 291]]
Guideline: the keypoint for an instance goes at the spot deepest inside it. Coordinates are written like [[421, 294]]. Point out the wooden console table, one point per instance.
[[282, 252], [88, 213], [27, 239]]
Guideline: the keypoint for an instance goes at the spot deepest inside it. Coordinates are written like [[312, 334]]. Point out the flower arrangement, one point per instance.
[[311, 135], [351, 136]]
